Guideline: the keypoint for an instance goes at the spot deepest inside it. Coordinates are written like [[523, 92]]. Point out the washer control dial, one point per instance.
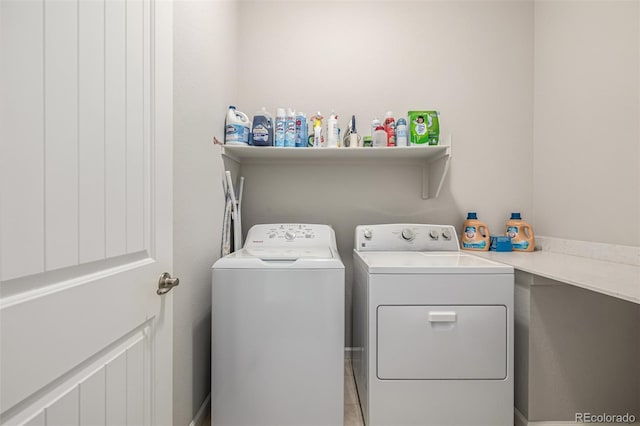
[[408, 234], [446, 234], [433, 234], [290, 235], [367, 234]]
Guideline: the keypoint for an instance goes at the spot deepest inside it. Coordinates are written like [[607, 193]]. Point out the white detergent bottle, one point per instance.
[[332, 131], [237, 127]]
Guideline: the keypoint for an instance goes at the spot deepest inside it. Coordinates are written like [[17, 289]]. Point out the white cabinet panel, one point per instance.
[[37, 420], [117, 391], [61, 133], [21, 131], [92, 399], [91, 130], [134, 127], [115, 127], [65, 411], [135, 384]]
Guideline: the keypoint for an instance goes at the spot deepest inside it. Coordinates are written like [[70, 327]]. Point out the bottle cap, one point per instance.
[[515, 216], [472, 215]]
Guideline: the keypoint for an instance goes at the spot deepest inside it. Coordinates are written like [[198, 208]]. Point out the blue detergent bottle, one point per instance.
[[262, 131]]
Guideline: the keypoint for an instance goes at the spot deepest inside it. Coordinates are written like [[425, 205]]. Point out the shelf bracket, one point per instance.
[[228, 155], [434, 172]]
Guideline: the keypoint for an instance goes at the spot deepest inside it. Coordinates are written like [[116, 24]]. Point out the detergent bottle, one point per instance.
[[390, 128], [521, 233], [237, 126], [301, 130], [332, 131], [280, 127], [262, 131], [401, 132], [475, 234], [318, 137]]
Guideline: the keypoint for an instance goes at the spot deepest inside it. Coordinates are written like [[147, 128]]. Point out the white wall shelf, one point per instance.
[[434, 159]]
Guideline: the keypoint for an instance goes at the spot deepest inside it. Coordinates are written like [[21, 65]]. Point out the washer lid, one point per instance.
[[411, 262], [281, 258]]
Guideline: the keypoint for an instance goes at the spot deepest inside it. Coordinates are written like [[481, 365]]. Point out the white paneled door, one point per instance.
[[85, 212]]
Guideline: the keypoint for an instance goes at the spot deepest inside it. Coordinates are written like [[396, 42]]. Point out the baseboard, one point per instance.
[[521, 420], [347, 352], [518, 418], [202, 413]]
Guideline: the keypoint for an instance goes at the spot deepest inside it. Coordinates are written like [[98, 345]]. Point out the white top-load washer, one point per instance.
[[432, 329], [278, 329]]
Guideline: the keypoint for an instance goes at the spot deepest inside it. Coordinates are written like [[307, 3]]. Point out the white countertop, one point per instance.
[[613, 279]]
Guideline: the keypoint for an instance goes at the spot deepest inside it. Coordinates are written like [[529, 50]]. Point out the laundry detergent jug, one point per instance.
[[237, 126]]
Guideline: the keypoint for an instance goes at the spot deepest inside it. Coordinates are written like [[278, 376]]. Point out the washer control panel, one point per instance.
[[296, 234], [406, 237]]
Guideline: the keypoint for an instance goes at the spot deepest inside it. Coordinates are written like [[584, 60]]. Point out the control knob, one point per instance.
[[446, 234], [367, 234], [289, 235], [433, 234], [408, 234]]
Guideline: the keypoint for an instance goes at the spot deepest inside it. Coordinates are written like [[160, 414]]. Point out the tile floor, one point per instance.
[[352, 413]]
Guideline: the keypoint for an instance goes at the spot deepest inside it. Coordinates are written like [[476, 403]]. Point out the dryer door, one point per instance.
[[442, 342]]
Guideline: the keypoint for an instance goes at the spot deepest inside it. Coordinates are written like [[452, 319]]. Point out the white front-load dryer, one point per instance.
[[432, 330], [278, 329]]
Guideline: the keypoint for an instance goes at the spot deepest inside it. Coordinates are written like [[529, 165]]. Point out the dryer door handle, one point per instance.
[[442, 316]]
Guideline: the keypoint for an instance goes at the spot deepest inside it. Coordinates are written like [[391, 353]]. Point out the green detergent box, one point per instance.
[[424, 127]]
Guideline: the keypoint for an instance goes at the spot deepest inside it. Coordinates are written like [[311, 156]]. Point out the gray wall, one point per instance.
[[204, 85], [586, 151], [425, 55]]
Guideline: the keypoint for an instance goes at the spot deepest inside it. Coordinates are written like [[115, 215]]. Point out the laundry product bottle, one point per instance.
[[280, 127], [301, 130], [521, 233], [237, 127], [475, 234], [332, 131], [390, 128], [262, 131], [401, 132], [290, 128]]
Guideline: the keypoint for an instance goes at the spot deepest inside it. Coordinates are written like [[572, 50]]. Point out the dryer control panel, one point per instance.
[[406, 237], [290, 234]]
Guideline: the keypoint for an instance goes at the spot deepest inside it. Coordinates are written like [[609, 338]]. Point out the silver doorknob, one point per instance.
[[166, 283]]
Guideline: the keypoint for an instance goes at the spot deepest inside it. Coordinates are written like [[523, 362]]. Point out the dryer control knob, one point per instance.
[[446, 234], [289, 235], [367, 234], [408, 234], [433, 234]]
